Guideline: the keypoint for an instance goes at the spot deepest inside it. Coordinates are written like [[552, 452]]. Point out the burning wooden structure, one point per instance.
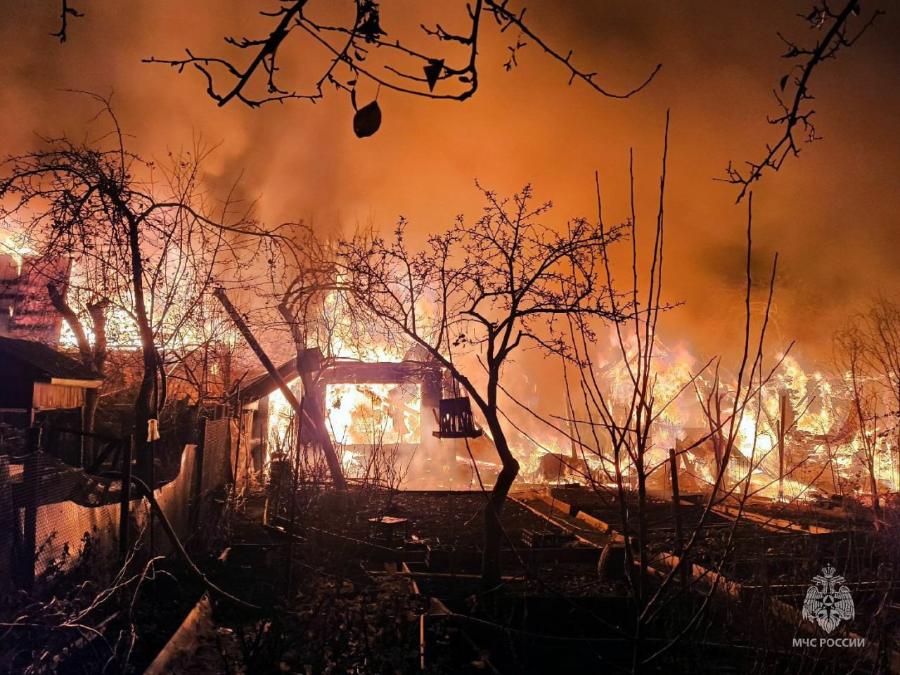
[[364, 406], [26, 311]]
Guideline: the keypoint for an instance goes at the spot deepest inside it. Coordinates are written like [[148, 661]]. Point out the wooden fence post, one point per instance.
[[676, 514], [8, 521], [197, 487], [782, 430], [127, 453], [31, 480]]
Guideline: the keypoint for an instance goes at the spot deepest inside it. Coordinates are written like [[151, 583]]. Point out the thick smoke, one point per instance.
[[830, 213]]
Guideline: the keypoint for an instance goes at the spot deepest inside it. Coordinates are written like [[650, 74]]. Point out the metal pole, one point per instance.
[[197, 491], [151, 483]]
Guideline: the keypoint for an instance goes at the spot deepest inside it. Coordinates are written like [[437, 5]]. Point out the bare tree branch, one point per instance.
[[65, 11], [793, 95], [349, 47]]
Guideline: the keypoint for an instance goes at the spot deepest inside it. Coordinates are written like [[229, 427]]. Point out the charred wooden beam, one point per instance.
[[334, 465], [676, 512]]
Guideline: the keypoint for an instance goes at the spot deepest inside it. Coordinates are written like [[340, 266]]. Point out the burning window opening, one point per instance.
[[374, 414], [372, 411]]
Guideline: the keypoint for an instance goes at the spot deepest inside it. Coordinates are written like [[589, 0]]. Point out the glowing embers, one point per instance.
[[374, 414]]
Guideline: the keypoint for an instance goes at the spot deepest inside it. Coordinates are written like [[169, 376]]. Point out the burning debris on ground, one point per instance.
[[639, 428]]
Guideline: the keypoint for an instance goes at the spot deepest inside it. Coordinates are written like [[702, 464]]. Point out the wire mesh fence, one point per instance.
[[219, 446], [53, 513]]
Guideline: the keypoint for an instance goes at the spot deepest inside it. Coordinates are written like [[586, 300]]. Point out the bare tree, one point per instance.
[[724, 408], [92, 351], [66, 10], [880, 325], [854, 355], [619, 432], [143, 238], [488, 287]]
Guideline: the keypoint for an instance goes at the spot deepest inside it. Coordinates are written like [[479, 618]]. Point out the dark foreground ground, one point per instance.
[[323, 589]]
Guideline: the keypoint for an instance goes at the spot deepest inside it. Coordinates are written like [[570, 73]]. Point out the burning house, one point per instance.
[[26, 311], [391, 407]]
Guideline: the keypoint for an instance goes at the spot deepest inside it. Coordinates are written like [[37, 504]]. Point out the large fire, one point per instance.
[[823, 453], [373, 414], [824, 447]]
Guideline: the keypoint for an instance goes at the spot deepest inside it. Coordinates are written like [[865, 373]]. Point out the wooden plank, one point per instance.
[[770, 523], [196, 629], [561, 522]]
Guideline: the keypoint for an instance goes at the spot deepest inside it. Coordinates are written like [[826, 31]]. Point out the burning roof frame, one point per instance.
[[428, 374]]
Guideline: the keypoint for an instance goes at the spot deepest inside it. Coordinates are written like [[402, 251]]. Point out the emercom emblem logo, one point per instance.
[[828, 600]]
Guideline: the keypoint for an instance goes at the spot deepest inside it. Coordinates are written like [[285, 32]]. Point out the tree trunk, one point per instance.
[[491, 564], [143, 413], [97, 360], [94, 357], [315, 406], [334, 465], [876, 503], [642, 527], [144, 408], [88, 414]]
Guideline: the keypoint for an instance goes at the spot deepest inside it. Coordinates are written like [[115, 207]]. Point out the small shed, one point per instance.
[[431, 455], [38, 378]]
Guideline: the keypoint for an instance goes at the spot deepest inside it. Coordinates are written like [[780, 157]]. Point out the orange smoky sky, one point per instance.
[[831, 213]]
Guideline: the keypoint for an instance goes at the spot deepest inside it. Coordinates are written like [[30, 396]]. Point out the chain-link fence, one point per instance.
[[52, 514], [219, 438]]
